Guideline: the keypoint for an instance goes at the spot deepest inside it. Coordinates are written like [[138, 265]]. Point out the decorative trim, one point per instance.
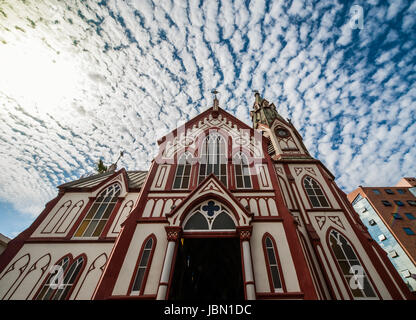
[[81, 204], [67, 205], [320, 220], [91, 268], [336, 220], [298, 170], [21, 270], [244, 232], [173, 233]]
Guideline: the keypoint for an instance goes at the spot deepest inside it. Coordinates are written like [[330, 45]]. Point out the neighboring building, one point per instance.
[[389, 213], [409, 183], [225, 211], [3, 242]]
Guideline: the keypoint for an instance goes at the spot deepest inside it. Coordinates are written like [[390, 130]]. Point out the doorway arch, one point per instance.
[[208, 264], [208, 268], [200, 230]]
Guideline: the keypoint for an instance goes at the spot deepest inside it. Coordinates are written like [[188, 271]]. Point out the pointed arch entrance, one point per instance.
[[208, 255], [207, 269], [208, 260]]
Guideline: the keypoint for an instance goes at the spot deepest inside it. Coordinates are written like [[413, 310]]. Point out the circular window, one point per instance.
[[282, 132]]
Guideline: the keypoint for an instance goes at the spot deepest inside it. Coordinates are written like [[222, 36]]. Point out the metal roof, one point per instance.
[[135, 180]]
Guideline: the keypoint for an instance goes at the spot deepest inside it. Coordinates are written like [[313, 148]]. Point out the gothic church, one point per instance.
[[226, 211]]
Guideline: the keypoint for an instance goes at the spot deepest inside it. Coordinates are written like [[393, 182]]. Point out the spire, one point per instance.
[[258, 98], [263, 112], [216, 103]]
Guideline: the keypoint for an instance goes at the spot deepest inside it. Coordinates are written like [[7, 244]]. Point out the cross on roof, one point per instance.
[[214, 91]]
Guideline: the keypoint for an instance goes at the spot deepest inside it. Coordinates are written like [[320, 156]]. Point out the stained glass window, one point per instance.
[[60, 282], [242, 171], [315, 193], [183, 171], [213, 158], [96, 218], [352, 270]]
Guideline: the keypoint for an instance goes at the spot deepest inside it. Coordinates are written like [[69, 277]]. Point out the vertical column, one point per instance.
[[172, 234], [245, 235]]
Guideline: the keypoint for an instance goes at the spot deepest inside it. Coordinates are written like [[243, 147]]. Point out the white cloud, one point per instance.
[[394, 8], [117, 77]]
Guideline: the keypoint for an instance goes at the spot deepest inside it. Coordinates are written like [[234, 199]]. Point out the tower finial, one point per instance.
[[257, 95], [216, 104]]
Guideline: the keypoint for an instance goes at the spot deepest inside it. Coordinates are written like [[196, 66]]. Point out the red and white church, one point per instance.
[[226, 211]]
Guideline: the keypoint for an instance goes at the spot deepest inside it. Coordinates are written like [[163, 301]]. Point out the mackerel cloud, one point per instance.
[[84, 80]]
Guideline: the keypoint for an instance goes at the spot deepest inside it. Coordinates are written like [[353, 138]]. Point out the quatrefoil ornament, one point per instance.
[[210, 208]]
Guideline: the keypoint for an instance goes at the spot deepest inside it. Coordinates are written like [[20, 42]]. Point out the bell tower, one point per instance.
[[285, 141]]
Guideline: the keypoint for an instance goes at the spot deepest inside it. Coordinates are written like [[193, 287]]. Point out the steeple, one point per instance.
[[284, 140], [216, 103], [263, 112]]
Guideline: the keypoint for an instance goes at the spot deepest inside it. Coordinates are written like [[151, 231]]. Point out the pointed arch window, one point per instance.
[[142, 268], [272, 264], [242, 170], [357, 281], [96, 218], [62, 279], [183, 171], [315, 193], [213, 157]]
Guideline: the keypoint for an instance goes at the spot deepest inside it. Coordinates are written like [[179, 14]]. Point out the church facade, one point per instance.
[[226, 211]]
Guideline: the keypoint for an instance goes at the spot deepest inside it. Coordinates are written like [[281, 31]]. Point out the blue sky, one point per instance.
[[82, 80]]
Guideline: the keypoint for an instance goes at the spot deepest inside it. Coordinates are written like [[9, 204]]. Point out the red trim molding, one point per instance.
[[17, 243], [148, 264], [279, 265]]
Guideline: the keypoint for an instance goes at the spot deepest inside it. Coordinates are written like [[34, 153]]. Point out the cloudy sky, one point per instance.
[[82, 80]]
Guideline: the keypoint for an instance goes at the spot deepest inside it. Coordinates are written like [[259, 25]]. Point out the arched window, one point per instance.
[[272, 264], [352, 270], [62, 279], [315, 193], [213, 158], [183, 172], [142, 268], [96, 218], [242, 171]]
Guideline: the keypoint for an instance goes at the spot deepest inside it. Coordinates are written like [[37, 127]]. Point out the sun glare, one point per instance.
[[38, 77]]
